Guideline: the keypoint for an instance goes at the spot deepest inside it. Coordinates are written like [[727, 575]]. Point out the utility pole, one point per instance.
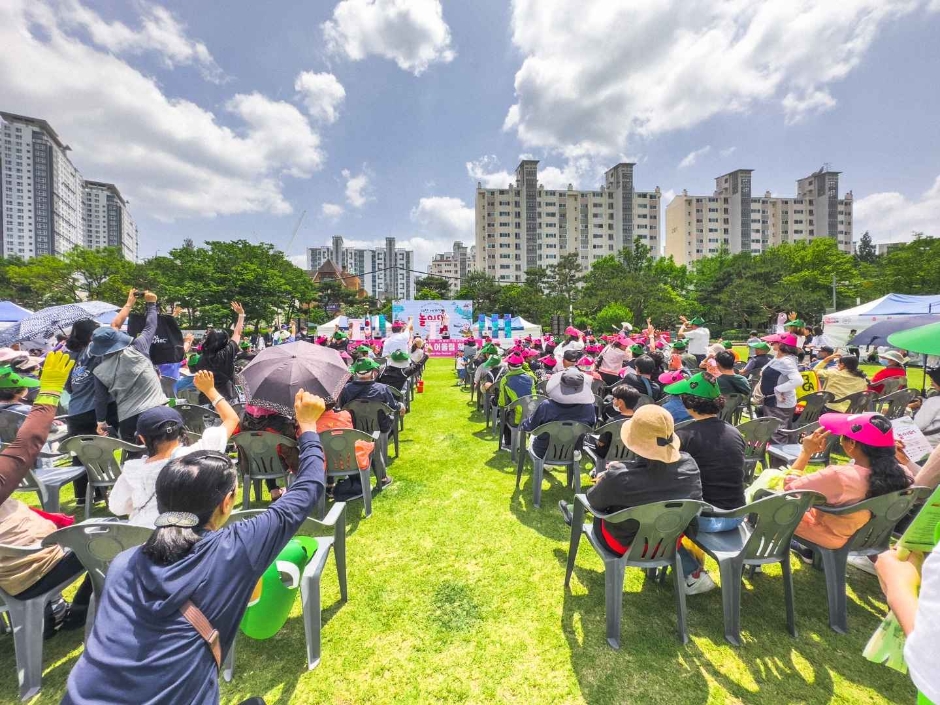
[[834, 308]]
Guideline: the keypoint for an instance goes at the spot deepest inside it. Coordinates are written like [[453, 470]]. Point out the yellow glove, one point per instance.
[[55, 373]]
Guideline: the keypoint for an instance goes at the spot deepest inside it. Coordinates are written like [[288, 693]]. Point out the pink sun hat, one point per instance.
[[548, 360], [672, 377], [571, 330], [585, 361], [515, 359], [869, 428], [783, 338]]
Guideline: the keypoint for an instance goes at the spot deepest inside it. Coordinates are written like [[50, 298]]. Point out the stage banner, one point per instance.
[[507, 326], [481, 323], [424, 312]]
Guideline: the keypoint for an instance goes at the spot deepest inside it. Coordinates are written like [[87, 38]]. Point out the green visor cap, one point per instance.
[[697, 386], [364, 365], [697, 321], [11, 380], [759, 345]]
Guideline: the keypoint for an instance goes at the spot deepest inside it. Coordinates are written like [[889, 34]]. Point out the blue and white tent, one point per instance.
[[837, 326]]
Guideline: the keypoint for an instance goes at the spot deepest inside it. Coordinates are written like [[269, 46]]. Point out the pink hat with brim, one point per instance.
[[624, 340], [783, 338], [672, 377], [586, 362], [869, 428], [529, 352], [515, 359], [548, 361], [571, 330]]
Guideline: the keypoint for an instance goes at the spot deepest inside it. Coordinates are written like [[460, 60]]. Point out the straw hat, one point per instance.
[[651, 434]]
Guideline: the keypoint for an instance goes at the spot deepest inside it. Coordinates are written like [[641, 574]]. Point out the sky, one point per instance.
[[228, 119]]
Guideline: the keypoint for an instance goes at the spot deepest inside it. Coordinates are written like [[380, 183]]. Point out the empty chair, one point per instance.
[[788, 452], [813, 406], [96, 543], [871, 539], [197, 418], [26, 620], [894, 405], [335, 524], [528, 405], [891, 384], [762, 540], [757, 434], [47, 483], [366, 418], [258, 460], [10, 422], [562, 444], [339, 452], [661, 524], [102, 458], [616, 449]]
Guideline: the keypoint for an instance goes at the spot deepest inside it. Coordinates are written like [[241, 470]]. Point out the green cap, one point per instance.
[[636, 349], [489, 349], [339, 335], [364, 366], [698, 386], [363, 350], [11, 380], [697, 321], [245, 345], [193, 360], [759, 345], [680, 345], [794, 323], [727, 344], [400, 356], [491, 362]]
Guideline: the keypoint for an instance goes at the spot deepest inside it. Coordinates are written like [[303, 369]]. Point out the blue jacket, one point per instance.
[[141, 649], [551, 410], [370, 391]]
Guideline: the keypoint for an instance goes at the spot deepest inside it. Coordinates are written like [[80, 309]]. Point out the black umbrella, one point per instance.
[[876, 335], [274, 377]]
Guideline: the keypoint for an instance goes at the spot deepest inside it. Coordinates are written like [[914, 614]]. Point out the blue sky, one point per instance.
[[377, 117]]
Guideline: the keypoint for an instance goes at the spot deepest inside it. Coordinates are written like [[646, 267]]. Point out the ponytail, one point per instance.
[[887, 475], [188, 490], [850, 362]]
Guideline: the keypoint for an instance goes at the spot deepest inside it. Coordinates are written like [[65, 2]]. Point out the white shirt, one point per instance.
[[920, 651], [927, 418], [396, 341], [573, 345], [698, 340], [134, 493]]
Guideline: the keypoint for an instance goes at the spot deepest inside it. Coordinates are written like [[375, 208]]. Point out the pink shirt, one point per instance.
[[841, 485]]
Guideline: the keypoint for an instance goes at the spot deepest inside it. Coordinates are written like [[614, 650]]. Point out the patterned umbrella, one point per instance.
[[48, 321], [276, 374], [877, 334]]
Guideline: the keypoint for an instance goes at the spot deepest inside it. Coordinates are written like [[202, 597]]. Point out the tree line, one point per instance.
[[732, 292]]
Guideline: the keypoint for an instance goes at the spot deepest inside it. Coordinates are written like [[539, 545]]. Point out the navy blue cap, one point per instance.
[[158, 421], [106, 340]]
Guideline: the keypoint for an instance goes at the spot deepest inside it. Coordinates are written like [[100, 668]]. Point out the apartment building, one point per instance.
[[44, 200], [699, 226], [394, 280], [453, 266], [526, 225]]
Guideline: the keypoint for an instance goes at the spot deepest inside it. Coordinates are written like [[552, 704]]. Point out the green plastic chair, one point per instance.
[[891, 385], [787, 453], [764, 538], [258, 460], [859, 403], [196, 419], [563, 441], [339, 451], [814, 405], [47, 483], [334, 523], [102, 458], [870, 540], [894, 405], [26, 621], [528, 404], [616, 451], [97, 543], [366, 418], [660, 526], [733, 409], [757, 435], [401, 398]]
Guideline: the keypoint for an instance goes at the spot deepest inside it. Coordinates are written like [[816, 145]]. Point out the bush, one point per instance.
[[609, 316]]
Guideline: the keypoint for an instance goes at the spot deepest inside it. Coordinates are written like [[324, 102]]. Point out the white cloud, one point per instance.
[[628, 71], [811, 102], [322, 94], [331, 211], [160, 32], [666, 197], [891, 216], [169, 156], [486, 170], [582, 172], [358, 191], [441, 221], [692, 157], [299, 260], [728, 152], [412, 33]]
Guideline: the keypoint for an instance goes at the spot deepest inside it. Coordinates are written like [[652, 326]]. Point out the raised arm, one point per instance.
[[142, 342], [205, 383], [122, 315], [21, 454], [240, 323]]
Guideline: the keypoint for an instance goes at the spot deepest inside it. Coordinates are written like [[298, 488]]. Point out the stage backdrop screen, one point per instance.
[[426, 313]]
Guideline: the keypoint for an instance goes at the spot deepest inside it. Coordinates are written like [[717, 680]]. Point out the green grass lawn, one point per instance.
[[456, 595]]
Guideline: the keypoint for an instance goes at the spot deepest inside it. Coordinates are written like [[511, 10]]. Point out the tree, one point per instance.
[[483, 290], [865, 251], [431, 287], [103, 274], [611, 316], [563, 280]]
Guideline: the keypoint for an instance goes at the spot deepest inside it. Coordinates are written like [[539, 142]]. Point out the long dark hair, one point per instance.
[[788, 349], [850, 362], [196, 483], [81, 335], [215, 341], [887, 475]]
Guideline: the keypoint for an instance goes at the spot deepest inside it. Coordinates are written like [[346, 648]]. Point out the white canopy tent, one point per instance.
[[329, 327], [837, 326]]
